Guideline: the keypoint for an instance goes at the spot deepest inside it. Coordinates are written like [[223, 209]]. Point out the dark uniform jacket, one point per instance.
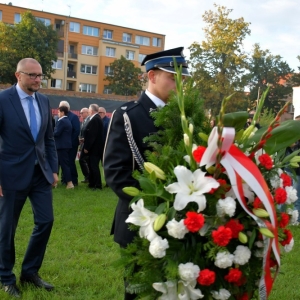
[[119, 162]]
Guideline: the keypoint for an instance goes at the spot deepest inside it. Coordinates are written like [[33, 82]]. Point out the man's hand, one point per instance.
[[85, 151], [55, 177], [1, 194]]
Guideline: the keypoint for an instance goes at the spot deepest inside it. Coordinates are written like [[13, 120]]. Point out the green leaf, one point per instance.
[[236, 119], [281, 137], [147, 185], [160, 208]]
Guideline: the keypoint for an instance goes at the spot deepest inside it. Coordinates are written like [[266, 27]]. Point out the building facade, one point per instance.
[[86, 48]]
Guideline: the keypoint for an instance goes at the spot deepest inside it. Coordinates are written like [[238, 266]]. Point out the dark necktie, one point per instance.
[[33, 122]]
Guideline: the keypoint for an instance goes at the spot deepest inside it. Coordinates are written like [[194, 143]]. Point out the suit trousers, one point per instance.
[[72, 158], [83, 162], [94, 175], [11, 205], [63, 160]]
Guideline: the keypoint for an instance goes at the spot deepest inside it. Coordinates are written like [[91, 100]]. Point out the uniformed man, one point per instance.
[[133, 118]]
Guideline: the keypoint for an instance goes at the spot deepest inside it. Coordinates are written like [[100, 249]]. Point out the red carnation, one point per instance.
[[257, 203], [234, 276], [243, 297], [288, 237], [222, 236], [266, 161], [285, 218], [280, 195], [206, 277], [194, 222], [286, 179], [235, 226], [198, 153]]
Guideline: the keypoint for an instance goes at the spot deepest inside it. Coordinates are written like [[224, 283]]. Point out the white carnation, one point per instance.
[[222, 294], [176, 229], [188, 272], [291, 194], [294, 216], [224, 260], [242, 255], [158, 247], [226, 206], [289, 247]]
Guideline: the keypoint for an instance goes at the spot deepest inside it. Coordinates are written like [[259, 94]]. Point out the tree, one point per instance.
[[295, 78], [219, 62], [29, 38], [267, 69], [124, 78]]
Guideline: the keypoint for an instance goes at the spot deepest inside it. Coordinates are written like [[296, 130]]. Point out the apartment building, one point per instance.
[[86, 48]]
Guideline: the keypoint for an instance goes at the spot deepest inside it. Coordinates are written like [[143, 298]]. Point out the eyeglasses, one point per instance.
[[101, 112], [34, 76]]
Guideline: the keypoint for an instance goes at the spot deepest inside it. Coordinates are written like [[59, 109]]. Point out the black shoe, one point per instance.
[[37, 281], [85, 181], [12, 290]]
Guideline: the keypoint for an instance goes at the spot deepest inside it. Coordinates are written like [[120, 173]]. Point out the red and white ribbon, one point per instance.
[[239, 167]]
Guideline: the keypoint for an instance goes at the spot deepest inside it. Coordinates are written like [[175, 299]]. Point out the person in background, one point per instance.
[[28, 168], [93, 146], [83, 158], [119, 162], [63, 143], [105, 120], [75, 142]]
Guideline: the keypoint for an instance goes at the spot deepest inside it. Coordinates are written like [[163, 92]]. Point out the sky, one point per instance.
[[274, 23]]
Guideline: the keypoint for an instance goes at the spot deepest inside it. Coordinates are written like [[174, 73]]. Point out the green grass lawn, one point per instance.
[[80, 251]]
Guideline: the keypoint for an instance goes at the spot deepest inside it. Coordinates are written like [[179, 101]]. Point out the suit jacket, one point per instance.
[[83, 126], [105, 121], [75, 128], [19, 150], [62, 134], [119, 162], [93, 136]]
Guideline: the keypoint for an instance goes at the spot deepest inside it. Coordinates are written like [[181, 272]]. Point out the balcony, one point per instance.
[[60, 33], [59, 54], [71, 74], [72, 55]]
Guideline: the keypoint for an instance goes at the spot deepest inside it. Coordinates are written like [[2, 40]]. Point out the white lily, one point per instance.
[[168, 290], [144, 218], [190, 187], [187, 291]]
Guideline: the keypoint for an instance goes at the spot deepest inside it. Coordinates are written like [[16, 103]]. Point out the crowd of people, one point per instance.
[[33, 145]]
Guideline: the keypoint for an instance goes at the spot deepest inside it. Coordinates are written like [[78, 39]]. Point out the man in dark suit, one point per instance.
[[75, 141], [93, 146], [119, 162], [28, 168], [83, 158], [105, 120]]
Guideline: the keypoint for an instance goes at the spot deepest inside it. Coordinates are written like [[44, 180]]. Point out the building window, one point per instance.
[[57, 64], [107, 34], [142, 40], [110, 52], [89, 50], [74, 27], [18, 18], [108, 71], [107, 90], [127, 37], [93, 31], [56, 83], [88, 88], [130, 55], [46, 22], [88, 69], [156, 42], [141, 57], [0, 15]]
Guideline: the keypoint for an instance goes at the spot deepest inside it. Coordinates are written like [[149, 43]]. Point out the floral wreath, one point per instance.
[[213, 226]]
